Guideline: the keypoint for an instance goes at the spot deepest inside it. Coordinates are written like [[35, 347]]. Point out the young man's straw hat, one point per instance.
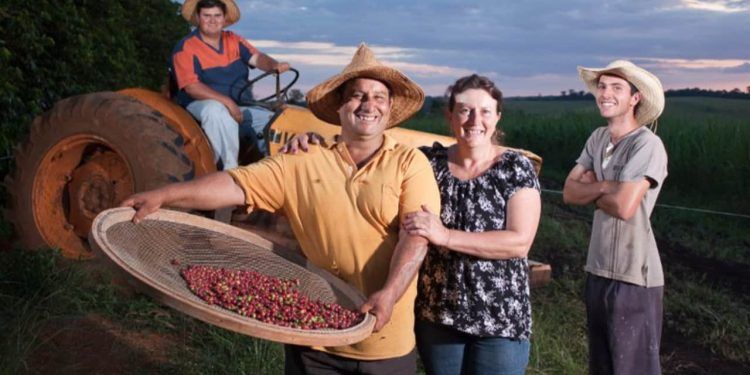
[[652, 93], [324, 99], [232, 15]]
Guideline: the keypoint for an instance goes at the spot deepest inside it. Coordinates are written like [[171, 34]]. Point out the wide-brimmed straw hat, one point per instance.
[[652, 93], [232, 15], [324, 100]]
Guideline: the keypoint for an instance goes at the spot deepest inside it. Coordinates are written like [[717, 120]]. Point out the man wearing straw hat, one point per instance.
[[344, 203], [209, 66], [621, 171]]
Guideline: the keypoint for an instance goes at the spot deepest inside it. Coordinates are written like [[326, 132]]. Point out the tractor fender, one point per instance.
[[196, 146]]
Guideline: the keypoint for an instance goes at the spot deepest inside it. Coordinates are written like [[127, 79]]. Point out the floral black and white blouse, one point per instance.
[[473, 295]]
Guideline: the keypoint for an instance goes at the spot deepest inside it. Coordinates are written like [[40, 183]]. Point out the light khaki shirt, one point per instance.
[[626, 250], [347, 220]]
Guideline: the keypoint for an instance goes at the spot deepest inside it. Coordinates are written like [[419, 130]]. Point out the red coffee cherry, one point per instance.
[[265, 298]]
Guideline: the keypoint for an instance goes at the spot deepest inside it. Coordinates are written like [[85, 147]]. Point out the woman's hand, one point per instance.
[[301, 142], [428, 225]]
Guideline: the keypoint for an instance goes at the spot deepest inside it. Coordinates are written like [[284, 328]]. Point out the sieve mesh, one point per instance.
[[147, 251]]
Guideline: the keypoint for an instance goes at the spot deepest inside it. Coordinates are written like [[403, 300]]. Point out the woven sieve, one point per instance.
[[146, 252]]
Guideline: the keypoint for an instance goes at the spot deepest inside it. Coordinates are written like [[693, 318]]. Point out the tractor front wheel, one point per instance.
[[87, 154]]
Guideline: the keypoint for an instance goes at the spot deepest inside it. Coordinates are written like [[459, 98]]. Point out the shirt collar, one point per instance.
[[389, 143]]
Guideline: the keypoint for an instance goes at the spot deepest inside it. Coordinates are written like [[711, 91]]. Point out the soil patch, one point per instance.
[[681, 356], [96, 345], [730, 274]]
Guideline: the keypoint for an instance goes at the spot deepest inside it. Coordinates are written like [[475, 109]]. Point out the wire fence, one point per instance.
[[674, 207]]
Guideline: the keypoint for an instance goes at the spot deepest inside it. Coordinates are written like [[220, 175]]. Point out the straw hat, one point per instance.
[[231, 17], [323, 100], [652, 93]]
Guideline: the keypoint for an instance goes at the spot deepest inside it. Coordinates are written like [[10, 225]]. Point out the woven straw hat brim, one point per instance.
[[324, 102], [652, 92], [231, 17]]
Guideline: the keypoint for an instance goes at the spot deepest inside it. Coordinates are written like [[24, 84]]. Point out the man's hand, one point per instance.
[[281, 67], [301, 142], [379, 304], [588, 177], [144, 204], [427, 225], [234, 110], [582, 188]]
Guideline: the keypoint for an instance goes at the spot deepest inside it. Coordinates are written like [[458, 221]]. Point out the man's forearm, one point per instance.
[[205, 193], [405, 263], [201, 91], [266, 63], [580, 193], [624, 199]]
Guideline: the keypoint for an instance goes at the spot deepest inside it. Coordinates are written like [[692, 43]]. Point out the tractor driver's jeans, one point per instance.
[[224, 133]]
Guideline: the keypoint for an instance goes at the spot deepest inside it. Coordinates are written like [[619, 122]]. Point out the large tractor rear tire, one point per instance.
[[87, 154]]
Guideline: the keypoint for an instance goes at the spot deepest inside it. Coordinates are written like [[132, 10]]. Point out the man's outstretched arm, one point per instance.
[[208, 192], [268, 64]]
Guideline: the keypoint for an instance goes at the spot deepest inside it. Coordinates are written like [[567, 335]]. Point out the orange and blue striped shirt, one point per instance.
[[223, 69]]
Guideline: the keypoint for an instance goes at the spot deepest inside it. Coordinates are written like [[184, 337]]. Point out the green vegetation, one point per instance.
[[50, 50]]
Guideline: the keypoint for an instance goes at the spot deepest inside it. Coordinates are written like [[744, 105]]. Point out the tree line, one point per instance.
[[571, 94]]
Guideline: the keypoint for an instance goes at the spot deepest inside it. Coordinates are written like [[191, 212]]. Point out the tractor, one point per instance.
[[90, 152]]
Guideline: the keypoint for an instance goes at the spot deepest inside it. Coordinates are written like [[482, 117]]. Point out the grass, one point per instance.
[[709, 314], [558, 344]]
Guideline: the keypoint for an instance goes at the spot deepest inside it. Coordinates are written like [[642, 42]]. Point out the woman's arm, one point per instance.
[[522, 220]]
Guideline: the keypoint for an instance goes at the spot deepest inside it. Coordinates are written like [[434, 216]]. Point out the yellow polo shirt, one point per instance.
[[347, 220]]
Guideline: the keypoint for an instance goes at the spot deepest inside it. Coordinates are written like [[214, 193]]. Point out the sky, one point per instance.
[[526, 47]]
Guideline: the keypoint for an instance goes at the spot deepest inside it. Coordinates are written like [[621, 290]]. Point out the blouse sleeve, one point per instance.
[[522, 175]]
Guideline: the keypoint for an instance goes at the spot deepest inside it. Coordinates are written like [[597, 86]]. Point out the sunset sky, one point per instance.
[[527, 47]]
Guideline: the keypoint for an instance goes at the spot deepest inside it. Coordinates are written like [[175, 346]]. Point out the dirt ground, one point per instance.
[[96, 345]]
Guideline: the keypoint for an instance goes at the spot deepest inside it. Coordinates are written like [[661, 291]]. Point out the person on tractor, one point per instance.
[[345, 204], [210, 68]]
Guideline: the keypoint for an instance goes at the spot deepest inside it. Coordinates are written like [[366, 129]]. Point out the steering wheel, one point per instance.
[[280, 95]]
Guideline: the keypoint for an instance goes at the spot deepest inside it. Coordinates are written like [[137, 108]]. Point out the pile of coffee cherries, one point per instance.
[[265, 298]]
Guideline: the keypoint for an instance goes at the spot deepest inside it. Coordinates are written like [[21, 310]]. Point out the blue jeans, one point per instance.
[[223, 132], [446, 351]]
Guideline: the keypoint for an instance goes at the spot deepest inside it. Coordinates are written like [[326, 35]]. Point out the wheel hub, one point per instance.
[[78, 178], [99, 183]]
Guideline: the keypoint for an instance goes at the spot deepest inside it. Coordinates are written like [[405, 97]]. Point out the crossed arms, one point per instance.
[[618, 199]]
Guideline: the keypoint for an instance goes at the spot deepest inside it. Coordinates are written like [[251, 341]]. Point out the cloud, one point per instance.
[[692, 63], [744, 68], [425, 70], [722, 6], [332, 55]]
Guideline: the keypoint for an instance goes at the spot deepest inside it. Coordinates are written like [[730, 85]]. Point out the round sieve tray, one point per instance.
[[147, 250]]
